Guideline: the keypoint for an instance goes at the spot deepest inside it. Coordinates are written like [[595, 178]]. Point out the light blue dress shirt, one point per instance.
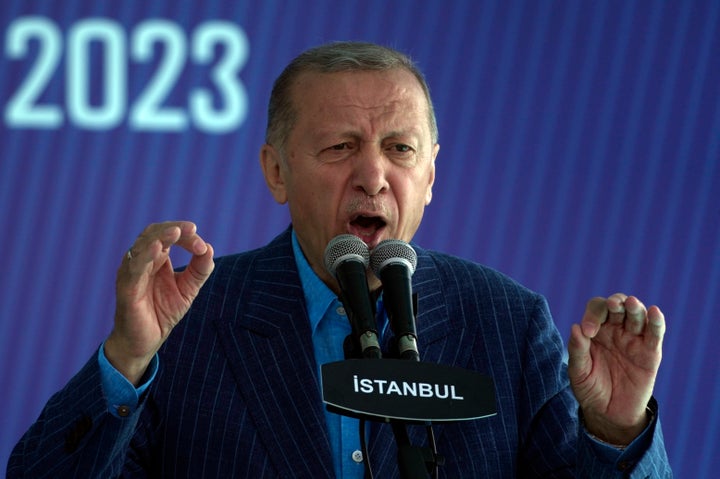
[[330, 326], [120, 393]]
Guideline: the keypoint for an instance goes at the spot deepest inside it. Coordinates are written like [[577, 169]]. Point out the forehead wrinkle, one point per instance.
[[385, 120], [359, 111]]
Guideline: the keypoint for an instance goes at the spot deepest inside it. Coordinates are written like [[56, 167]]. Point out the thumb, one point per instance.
[[198, 270], [579, 359]]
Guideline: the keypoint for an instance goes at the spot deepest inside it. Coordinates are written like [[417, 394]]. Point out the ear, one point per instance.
[[431, 178], [274, 171]]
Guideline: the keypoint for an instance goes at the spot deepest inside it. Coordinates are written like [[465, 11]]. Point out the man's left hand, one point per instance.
[[614, 355]]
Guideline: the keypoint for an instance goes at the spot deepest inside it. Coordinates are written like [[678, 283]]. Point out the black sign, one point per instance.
[[406, 390]]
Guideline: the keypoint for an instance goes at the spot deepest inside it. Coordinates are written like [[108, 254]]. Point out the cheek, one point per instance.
[[428, 195], [415, 189], [315, 199]]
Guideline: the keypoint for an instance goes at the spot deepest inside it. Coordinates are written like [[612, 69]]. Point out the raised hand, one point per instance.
[[151, 298], [614, 356]]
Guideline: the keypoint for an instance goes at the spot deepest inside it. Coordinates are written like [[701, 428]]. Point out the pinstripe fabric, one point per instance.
[[237, 392]]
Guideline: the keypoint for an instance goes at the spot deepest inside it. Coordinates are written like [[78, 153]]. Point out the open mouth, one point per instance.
[[367, 227]]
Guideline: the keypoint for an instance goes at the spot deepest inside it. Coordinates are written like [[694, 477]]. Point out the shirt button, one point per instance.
[[357, 456], [340, 310], [123, 411]]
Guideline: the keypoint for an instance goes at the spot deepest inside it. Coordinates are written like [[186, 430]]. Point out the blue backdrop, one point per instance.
[[580, 154]]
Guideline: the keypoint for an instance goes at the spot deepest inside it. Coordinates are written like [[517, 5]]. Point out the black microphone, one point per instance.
[[347, 258], [394, 261]]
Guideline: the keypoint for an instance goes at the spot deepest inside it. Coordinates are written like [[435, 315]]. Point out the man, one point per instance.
[[213, 371]]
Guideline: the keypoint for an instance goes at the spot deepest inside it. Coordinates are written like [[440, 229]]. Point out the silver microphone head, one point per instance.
[[393, 251], [345, 247]]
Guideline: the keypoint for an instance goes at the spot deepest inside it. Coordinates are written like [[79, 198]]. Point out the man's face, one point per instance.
[[360, 159]]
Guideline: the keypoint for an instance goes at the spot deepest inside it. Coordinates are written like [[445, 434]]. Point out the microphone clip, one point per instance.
[[405, 346]]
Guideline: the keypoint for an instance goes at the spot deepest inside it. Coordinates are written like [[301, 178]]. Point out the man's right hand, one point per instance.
[[151, 298]]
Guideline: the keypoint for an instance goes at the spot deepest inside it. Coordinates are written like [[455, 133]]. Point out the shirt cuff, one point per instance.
[[613, 454], [121, 395]]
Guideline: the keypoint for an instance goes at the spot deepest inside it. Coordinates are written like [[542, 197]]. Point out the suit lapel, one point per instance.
[[268, 343]]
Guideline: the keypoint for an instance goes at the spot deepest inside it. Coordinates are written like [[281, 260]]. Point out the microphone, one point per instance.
[[394, 261], [347, 258]]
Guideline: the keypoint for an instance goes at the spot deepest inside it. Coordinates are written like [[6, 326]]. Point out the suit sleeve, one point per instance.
[[644, 458], [75, 435]]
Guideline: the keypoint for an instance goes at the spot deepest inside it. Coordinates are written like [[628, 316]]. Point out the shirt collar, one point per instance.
[[318, 297]]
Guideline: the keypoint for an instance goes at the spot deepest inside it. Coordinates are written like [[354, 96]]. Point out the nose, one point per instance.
[[370, 172]]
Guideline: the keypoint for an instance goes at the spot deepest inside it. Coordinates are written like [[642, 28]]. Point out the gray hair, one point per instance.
[[332, 58]]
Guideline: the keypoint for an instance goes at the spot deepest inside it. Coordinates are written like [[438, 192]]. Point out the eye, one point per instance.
[[401, 153], [340, 146], [337, 151], [399, 149]]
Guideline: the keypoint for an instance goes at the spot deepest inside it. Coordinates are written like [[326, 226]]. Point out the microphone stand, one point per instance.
[[413, 461]]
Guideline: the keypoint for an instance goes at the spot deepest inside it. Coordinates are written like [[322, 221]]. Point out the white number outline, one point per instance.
[[225, 76], [24, 109], [147, 113], [108, 113]]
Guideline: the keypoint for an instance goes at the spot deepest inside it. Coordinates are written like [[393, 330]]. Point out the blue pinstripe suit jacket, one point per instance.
[[237, 394]]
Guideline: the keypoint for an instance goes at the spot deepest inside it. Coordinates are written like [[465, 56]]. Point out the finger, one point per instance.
[[156, 240], [173, 232], [635, 315], [616, 306], [596, 313], [190, 240], [655, 330], [198, 270], [166, 233], [141, 256]]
